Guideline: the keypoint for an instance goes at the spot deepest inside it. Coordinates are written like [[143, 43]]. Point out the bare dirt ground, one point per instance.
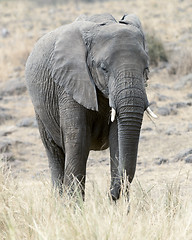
[[165, 149]]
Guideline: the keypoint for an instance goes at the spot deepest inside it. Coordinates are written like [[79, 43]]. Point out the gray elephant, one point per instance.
[[75, 75]]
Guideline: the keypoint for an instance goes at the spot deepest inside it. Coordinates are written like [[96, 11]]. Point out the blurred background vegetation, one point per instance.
[[55, 2], [156, 49], [70, 10]]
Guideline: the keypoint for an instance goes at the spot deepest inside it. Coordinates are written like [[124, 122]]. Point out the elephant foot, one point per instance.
[[115, 191], [118, 189], [75, 187]]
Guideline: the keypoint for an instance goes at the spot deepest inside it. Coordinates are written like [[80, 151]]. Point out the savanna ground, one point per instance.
[[161, 193]]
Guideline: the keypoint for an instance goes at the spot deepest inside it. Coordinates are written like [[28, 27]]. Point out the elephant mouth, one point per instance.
[[148, 110]]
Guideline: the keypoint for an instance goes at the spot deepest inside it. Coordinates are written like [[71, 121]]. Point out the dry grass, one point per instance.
[[181, 62], [13, 60], [32, 211]]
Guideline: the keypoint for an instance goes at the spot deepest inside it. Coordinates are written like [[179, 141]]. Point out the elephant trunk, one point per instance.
[[130, 103], [129, 125]]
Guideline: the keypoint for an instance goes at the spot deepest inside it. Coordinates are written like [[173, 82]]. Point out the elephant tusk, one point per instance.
[[151, 113], [113, 113]]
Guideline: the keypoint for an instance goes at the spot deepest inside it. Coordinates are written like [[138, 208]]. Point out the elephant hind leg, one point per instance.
[[56, 157]]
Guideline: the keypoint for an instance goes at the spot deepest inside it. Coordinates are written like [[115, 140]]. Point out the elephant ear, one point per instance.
[[70, 69], [131, 19]]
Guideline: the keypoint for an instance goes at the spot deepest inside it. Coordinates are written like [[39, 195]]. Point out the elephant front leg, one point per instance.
[[77, 150], [76, 137], [114, 160]]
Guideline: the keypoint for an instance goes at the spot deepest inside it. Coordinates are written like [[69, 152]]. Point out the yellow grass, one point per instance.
[[30, 210]]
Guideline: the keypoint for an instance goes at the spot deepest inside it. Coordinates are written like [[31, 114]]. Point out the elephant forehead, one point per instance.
[[117, 31], [120, 42], [116, 40]]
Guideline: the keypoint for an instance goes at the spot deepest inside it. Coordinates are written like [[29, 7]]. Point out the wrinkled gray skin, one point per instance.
[[75, 74]]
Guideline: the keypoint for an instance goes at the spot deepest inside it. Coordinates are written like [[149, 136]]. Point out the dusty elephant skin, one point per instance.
[[75, 75]]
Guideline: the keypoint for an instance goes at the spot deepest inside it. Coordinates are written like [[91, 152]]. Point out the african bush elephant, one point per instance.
[[75, 75]]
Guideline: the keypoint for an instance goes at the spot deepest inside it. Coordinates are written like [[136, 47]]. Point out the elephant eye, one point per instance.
[[103, 67], [145, 75]]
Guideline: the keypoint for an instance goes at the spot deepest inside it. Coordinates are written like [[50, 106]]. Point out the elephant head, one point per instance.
[[101, 54]]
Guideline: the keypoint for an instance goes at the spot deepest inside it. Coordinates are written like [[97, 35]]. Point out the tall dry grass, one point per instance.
[[30, 210], [13, 58], [181, 62]]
